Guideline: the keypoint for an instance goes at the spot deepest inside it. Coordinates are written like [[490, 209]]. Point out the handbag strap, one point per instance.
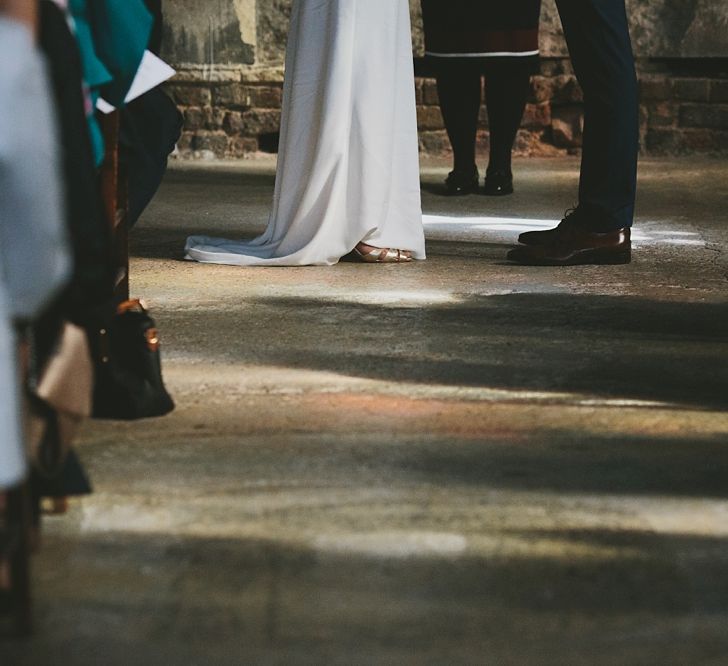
[[131, 305]]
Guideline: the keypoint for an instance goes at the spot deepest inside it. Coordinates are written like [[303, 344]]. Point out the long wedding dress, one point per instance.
[[348, 166]]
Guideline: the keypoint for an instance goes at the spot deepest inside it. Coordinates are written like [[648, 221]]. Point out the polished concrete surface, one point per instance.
[[456, 461]]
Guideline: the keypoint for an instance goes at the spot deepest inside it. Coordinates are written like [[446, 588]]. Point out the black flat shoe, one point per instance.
[[460, 183], [498, 184]]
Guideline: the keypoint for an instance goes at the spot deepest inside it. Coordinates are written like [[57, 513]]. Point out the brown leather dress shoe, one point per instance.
[[547, 235], [569, 245]]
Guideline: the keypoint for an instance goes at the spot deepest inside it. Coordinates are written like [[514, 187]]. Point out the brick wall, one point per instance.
[[684, 109], [231, 114], [684, 113]]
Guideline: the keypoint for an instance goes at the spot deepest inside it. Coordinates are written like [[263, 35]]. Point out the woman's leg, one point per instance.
[[460, 92], [506, 94]]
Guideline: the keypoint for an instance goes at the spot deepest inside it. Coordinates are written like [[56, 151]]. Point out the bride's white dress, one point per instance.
[[348, 166]]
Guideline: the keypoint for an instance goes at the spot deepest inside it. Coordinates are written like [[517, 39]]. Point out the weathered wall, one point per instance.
[[229, 54], [660, 28], [211, 32]]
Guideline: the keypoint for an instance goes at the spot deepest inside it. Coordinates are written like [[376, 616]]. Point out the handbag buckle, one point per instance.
[[152, 336]]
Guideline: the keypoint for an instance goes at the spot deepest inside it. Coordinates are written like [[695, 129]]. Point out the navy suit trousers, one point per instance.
[[597, 34]]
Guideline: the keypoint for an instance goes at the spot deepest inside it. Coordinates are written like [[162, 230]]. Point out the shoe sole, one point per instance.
[[590, 257]]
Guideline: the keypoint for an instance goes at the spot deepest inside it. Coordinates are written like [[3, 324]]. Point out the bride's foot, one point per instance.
[[381, 255]]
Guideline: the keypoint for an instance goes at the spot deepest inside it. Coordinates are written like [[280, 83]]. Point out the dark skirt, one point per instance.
[[482, 33]]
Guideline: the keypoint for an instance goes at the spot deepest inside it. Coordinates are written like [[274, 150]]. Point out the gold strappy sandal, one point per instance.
[[381, 255]]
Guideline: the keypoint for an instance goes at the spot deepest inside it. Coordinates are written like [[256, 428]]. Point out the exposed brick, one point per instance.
[[690, 90], [483, 120], [482, 142], [241, 146], [567, 126], [261, 121], [556, 67], [566, 90], [184, 143], [719, 91], [541, 89], [429, 93], [233, 123], [662, 88], [189, 95], [214, 117], [561, 89], [532, 143], [214, 142], [662, 141], [434, 143], [266, 97], [711, 116], [537, 115], [429, 117], [694, 141], [194, 118], [655, 89], [672, 141], [644, 117], [232, 96], [562, 133], [663, 114], [419, 95], [677, 115], [707, 141]]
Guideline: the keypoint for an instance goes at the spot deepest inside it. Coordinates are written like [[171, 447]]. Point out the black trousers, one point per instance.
[[597, 34]]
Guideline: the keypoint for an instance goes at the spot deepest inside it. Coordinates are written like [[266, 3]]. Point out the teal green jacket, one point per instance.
[[112, 36]]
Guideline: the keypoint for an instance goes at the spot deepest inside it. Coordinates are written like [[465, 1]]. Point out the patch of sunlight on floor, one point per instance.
[[698, 517], [674, 233], [396, 297], [466, 228], [432, 222], [402, 544], [682, 242], [392, 544]]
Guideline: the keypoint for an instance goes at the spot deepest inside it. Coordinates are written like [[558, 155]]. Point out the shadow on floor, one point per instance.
[[574, 462], [622, 348], [186, 597]]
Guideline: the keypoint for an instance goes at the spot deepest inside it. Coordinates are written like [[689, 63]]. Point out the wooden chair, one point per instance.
[[115, 197], [15, 539]]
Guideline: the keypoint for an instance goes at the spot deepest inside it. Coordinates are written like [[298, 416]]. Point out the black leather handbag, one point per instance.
[[128, 380]]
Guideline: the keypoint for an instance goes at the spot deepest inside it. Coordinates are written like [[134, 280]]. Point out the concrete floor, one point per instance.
[[451, 462]]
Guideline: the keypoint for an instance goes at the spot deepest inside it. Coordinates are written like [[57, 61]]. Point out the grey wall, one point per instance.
[[229, 55], [660, 28], [247, 32], [209, 32]]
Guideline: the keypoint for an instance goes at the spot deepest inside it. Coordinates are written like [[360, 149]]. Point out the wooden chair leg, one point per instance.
[[19, 523], [115, 196]]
